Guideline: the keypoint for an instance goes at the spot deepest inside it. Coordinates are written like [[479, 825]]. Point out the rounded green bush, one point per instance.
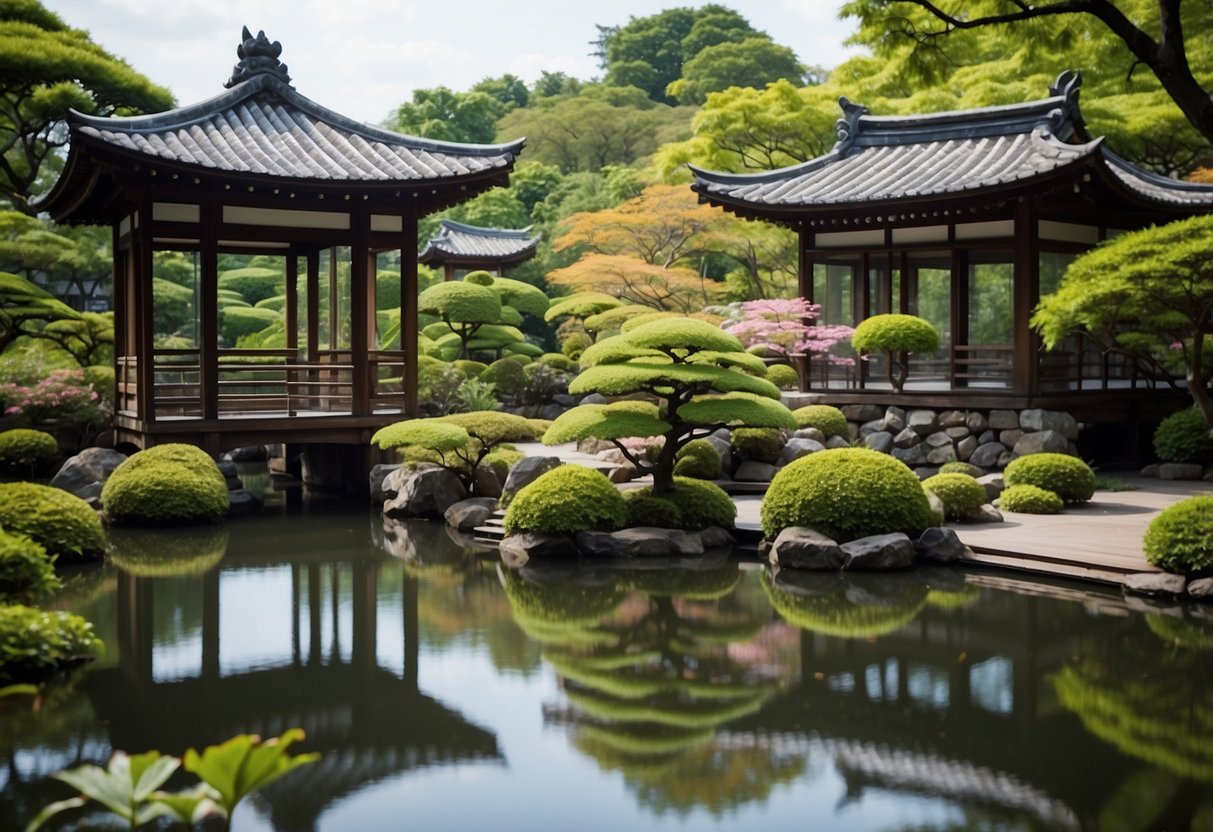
[[1029, 499], [566, 500], [1180, 539], [253, 283], [26, 573], [238, 321], [60, 522], [507, 374], [700, 504], [761, 444], [479, 277], [1066, 476], [895, 333], [470, 368], [27, 452], [846, 493], [35, 643], [957, 467], [647, 510], [557, 361], [698, 459], [783, 376], [166, 485], [1184, 437], [829, 420], [961, 494]]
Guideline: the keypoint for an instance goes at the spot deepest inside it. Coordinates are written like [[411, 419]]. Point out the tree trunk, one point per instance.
[[663, 468], [1196, 382]]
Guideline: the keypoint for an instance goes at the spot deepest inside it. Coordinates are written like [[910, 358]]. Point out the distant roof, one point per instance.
[[885, 160], [457, 242], [262, 127]]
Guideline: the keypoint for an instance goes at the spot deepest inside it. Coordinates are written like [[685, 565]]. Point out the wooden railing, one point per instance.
[[982, 365], [986, 365], [1081, 364]]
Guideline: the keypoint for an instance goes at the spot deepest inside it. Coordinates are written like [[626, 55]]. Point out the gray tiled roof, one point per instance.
[[457, 241], [881, 160], [263, 126]]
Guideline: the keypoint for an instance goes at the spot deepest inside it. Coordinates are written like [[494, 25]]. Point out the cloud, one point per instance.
[[531, 65]]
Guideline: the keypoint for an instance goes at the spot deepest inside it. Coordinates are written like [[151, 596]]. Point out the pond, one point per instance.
[[445, 692]]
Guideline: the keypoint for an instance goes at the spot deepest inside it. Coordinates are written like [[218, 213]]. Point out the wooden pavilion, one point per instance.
[[261, 170], [459, 248], [966, 219]]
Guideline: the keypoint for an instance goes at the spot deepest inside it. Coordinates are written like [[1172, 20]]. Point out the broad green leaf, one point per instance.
[[191, 805], [53, 809], [245, 763]]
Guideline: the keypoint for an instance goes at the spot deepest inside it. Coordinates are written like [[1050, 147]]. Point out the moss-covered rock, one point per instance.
[[26, 573], [60, 522], [783, 376], [1180, 539], [34, 643], [1030, 499], [1184, 437], [698, 459], [567, 500], [1066, 476], [25, 452], [957, 467], [166, 485], [700, 504], [829, 420], [846, 493], [960, 493]]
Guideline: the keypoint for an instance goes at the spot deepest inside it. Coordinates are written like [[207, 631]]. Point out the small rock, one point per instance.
[[242, 502], [425, 492], [911, 456], [987, 437], [799, 547], [966, 447], [488, 481], [1010, 437], [993, 485], [894, 419], [938, 439], [942, 456], [1054, 420], [550, 411], [922, 422], [925, 472], [1004, 460], [809, 433], [1004, 420], [466, 515], [650, 541], [89, 466], [725, 449], [594, 398], [796, 448], [951, 419], [623, 473], [875, 426], [837, 442], [861, 412], [1201, 588], [986, 514], [249, 453], [228, 469], [957, 433], [976, 421], [940, 546], [714, 537], [753, 471], [525, 472], [377, 477], [882, 442], [1042, 441], [1154, 583], [564, 400], [879, 552], [987, 454], [518, 549], [906, 439], [1180, 471]]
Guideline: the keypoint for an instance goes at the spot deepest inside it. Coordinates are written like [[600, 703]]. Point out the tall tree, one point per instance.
[[442, 114], [509, 90], [47, 68], [753, 62]]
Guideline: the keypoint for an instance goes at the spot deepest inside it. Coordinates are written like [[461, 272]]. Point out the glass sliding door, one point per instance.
[[929, 296]]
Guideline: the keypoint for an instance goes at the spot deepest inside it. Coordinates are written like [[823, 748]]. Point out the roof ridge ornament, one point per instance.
[[848, 125], [1065, 121], [258, 56]]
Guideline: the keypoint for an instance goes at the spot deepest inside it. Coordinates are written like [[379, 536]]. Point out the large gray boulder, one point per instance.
[[861, 412], [1154, 583], [837, 442], [377, 476], [1054, 420], [879, 552], [518, 549], [466, 515], [809, 433], [940, 546], [92, 465], [424, 492], [525, 472], [894, 419], [951, 419], [799, 547], [640, 542], [941, 455], [882, 442], [993, 485], [922, 422], [966, 447], [1179, 471], [796, 448], [1042, 441], [714, 537], [913, 457], [906, 439], [1004, 419], [752, 471], [986, 456]]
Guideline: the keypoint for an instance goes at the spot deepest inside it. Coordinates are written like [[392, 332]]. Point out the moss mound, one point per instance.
[[507, 374], [1180, 539], [961, 495], [783, 376], [699, 504], [1184, 437], [698, 459], [27, 452], [34, 643], [1029, 499], [829, 420], [899, 333], [647, 510], [761, 444], [166, 485], [567, 500], [961, 468], [846, 493], [1066, 476], [60, 522], [26, 573], [159, 553]]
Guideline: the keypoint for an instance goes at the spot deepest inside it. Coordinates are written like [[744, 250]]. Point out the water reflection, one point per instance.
[[657, 694]]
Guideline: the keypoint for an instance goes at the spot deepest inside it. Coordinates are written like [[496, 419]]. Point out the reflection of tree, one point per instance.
[[164, 553], [1165, 717], [846, 605], [1182, 632], [651, 676]]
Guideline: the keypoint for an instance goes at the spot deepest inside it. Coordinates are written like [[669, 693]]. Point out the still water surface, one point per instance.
[[447, 693]]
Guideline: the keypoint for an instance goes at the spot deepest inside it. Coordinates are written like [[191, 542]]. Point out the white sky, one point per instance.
[[364, 57]]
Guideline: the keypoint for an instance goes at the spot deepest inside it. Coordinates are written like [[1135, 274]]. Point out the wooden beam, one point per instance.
[[144, 310]]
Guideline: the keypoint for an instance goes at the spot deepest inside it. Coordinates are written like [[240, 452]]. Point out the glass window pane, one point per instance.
[[990, 297]]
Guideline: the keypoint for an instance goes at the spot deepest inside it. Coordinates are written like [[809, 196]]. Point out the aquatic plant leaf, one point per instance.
[[245, 763], [123, 787]]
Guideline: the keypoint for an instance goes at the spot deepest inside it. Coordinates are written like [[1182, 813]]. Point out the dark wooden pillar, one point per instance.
[[408, 311], [360, 294], [1024, 295], [313, 305], [960, 314], [141, 238], [804, 281], [208, 314], [292, 298]]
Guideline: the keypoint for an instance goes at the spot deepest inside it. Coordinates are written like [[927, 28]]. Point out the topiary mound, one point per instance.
[[34, 643], [829, 420], [26, 573], [507, 374], [846, 493], [698, 459], [1180, 539], [896, 333], [699, 504], [1066, 476], [159, 553], [647, 510], [961, 495], [761, 444], [166, 485], [567, 500], [783, 376], [27, 452], [60, 522], [1184, 437], [1029, 499], [957, 467]]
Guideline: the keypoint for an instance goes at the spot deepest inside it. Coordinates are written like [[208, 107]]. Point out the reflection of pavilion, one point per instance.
[[369, 720]]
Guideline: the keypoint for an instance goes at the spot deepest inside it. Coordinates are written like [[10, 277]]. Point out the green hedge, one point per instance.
[[60, 522], [1029, 499], [26, 573], [1184, 437], [960, 493], [34, 643], [783, 376], [1180, 539], [1066, 476], [846, 493], [166, 485], [567, 500], [699, 504], [647, 510], [27, 452], [829, 420]]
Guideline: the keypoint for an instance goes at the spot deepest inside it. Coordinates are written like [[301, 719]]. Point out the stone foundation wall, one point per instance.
[[985, 438]]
